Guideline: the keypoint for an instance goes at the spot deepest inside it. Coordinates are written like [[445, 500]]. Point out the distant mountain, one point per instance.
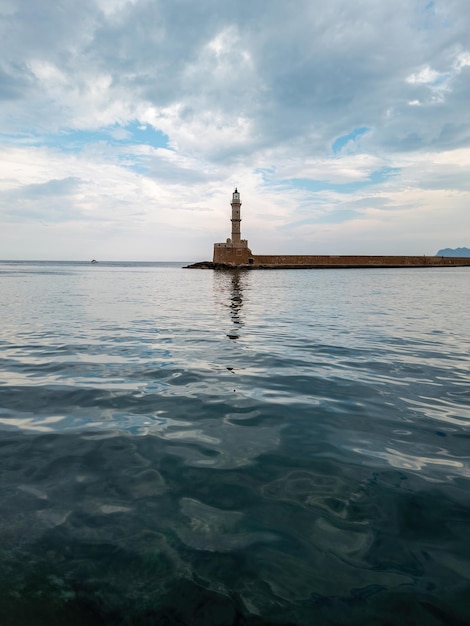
[[454, 252]]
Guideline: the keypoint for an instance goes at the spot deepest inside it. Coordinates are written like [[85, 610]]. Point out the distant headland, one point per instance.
[[235, 253], [465, 252]]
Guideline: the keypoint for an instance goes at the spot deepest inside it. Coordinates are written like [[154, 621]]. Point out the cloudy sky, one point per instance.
[[126, 124]]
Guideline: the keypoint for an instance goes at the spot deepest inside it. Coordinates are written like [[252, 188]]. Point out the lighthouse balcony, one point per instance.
[[243, 243]]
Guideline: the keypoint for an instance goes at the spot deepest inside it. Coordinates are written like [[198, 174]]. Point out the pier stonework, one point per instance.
[[325, 261]]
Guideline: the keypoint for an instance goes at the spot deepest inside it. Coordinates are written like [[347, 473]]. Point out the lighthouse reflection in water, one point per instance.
[[236, 302]]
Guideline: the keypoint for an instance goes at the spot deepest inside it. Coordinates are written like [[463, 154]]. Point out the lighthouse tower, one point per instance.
[[235, 250], [236, 219]]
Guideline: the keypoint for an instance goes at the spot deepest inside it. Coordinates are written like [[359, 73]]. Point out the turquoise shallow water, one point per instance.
[[199, 447]]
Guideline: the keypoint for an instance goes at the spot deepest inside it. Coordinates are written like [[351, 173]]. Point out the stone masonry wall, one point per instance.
[[232, 254], [357, 261]]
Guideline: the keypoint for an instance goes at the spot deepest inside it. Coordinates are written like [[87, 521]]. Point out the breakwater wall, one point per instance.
[[345, 261], [330, 261]]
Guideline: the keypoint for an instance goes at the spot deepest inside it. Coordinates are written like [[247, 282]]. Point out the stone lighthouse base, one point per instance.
[[230, 253]]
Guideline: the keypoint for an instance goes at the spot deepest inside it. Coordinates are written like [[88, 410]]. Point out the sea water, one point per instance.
[[242, 447]]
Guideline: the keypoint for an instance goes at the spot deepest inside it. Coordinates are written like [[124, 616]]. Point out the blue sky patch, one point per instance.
[[339, 143], [379, 176], [116, 135]]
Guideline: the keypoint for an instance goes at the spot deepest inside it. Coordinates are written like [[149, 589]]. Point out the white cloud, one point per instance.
[[462, 60], [426, 76], [439, 83]]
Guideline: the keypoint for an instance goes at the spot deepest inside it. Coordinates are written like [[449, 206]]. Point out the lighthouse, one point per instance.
[[235, 250]]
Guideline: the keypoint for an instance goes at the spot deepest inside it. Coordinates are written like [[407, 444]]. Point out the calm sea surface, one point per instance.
[[202, 447]]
